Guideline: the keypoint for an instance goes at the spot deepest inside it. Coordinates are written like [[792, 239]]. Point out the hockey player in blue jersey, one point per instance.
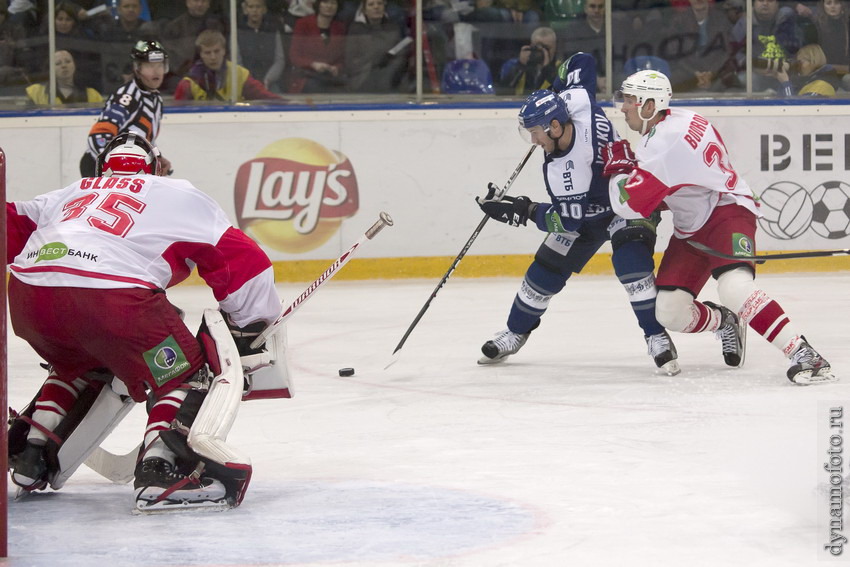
[[572, 129]]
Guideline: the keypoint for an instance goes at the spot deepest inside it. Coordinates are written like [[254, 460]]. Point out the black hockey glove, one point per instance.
[[244, 336], [514, 211]]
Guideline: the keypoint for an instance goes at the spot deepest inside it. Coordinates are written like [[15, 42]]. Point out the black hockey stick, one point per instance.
[[457, 260], [762, 259]]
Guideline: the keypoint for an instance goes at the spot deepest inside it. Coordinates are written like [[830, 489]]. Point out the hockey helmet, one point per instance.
[[127, 153], [644, 85], [540, 109], [148, 51]]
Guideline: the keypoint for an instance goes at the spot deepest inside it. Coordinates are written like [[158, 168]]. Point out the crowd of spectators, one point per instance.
[[366, 46]]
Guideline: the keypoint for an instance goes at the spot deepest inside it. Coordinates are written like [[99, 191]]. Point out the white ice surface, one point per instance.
[[574, 452]]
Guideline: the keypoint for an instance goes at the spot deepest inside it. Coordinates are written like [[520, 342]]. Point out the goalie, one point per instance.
[[89, 265]]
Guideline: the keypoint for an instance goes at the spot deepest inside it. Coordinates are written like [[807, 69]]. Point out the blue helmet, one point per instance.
[[541, 108]]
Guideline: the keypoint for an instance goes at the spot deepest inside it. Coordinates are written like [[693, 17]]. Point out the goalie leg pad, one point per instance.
[[111, 406], [206, 439]]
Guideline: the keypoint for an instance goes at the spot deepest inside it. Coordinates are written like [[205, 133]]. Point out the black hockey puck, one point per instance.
[[346, 372]]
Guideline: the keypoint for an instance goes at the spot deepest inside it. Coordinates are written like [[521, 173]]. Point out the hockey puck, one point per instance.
[[346, 372]]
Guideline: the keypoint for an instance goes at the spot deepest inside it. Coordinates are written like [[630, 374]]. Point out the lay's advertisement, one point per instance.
[[294, 195]]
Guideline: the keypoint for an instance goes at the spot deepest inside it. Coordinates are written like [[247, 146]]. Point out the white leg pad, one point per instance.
[[208, 434], [675, 310], [108, 410], [735, 287]]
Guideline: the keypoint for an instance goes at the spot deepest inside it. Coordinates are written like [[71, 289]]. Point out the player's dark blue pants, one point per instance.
[[564, 254]]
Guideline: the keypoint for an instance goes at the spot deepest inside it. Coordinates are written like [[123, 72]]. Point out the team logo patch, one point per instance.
[[52, 251], [165, 361], [741, 245]]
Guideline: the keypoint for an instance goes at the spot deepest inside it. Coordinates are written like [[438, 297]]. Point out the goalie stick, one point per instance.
[[116, 468], [763, 258], [460, 256], [383, 220]]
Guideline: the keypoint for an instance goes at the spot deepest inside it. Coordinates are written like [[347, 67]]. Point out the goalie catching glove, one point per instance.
[[619, 158], [514, 211]]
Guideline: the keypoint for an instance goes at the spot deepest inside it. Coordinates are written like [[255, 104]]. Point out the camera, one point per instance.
[[774, 64], [536, 56]]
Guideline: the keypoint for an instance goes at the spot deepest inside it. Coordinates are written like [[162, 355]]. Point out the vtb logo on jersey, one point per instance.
[[295, 194]]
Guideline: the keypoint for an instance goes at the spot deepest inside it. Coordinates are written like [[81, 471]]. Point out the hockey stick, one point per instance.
[[120, 468], [383, 220], [762, 259], [460, 256], [116, 468]]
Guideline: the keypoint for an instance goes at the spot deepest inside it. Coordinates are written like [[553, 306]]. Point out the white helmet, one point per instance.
[[645, 85]]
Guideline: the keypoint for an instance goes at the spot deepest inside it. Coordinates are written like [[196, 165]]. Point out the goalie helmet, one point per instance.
[[127, 154], [540, 109]]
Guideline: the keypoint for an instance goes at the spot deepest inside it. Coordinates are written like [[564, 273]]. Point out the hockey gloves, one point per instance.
[[244, 336], [511, 210], [618, 157]]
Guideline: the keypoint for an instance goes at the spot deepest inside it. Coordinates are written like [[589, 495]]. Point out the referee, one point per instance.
[[135, 106]]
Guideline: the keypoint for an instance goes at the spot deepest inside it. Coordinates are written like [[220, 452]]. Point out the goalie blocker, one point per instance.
[[205, 418]]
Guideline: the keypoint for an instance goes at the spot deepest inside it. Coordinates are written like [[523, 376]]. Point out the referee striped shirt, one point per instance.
[[130, 108]]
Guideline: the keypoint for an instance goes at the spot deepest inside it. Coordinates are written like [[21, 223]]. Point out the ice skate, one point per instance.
[[662, 350], [159, 488], [29, 469], [809, 367], [732, 335], [502, 346]]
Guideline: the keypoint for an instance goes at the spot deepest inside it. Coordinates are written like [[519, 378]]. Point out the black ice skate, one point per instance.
[[809, 367], [732, 335], [160, 488], [29, 469], [662, 350], [502, 346]]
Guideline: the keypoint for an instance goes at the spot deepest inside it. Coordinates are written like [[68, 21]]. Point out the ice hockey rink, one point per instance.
[[574, 452]]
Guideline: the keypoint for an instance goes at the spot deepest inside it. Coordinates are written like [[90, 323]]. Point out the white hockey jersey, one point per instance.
[[683, 162], [139, 231]]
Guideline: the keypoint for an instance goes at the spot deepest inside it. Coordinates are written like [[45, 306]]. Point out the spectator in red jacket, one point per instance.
[[317, 50]]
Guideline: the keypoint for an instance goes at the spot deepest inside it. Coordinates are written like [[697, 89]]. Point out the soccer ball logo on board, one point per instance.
[[790, 210], [294, 195]]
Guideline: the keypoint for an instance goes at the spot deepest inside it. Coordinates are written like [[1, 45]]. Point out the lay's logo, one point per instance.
[[295, 194]]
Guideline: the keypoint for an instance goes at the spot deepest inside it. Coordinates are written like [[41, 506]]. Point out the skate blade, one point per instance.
[[144, 508], [742, 332], [485, 360], [671, 368], [805, 378]]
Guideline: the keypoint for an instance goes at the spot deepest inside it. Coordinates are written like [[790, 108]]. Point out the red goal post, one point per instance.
[[4, 402]]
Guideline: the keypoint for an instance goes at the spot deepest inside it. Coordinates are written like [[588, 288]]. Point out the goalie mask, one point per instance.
[[645, 85], [540, 109], [128, 154]]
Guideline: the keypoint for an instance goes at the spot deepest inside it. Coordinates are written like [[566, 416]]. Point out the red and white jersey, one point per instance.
[[139, 231], [683, 162]]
